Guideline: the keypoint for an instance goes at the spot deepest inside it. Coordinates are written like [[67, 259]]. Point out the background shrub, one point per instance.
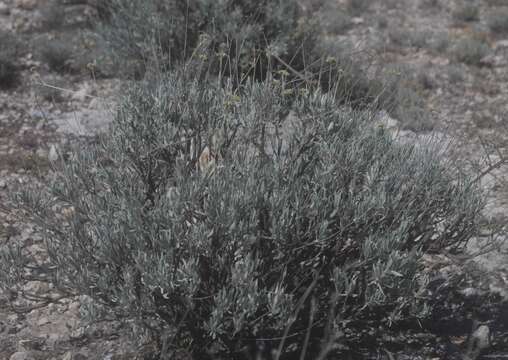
[[10, 49], [439, 42], [229, 218], [431, 4], [466, 11], [357, 7], [57, 54], [8, 72], [240, 31], [471, 50], [343, 72], [334, 19], [253, 40], [455, 74], [53, 15], [497, 20]]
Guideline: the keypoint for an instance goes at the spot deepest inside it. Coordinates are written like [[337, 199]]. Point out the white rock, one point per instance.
[[52, 308], [493, 61], [42, 153], [3, 184], [501, 44], [53, 153], [4, 9], [35, 343], [22, 355], [82, 94], [469, 292], [95, 104], [482, 335], [387, 121], [479, 340]]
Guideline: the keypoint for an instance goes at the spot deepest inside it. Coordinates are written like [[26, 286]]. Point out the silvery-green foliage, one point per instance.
[[241, 32], [304, 213]]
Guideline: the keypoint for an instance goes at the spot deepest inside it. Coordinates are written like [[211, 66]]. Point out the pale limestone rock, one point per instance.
[[4, 9], [22, 355], [53, 153]]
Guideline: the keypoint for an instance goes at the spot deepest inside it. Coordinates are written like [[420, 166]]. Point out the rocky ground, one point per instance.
[[454, 62]]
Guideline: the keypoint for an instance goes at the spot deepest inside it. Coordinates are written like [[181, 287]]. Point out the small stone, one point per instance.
[[52, 308], [470, 292], [481, 337], [74, 307], [42, 153], [3, 184], [53, 153], [54, 339], [36, 287], [43, 321], [34, 343], [357, 20], [94, 104]]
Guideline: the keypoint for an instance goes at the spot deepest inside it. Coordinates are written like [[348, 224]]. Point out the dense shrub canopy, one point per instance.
[[226, 215]]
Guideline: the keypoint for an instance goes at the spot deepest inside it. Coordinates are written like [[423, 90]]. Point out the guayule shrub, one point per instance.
[[231, 220], [240, 31]]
